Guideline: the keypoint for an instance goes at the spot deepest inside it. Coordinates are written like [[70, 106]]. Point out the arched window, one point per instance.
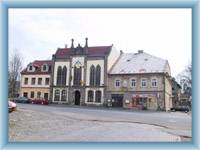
[[92, 75], [77, 76], [64, 75], [98, 96], [63, 97], [57, 95], [90, 96], [98, 75], [59, 75]]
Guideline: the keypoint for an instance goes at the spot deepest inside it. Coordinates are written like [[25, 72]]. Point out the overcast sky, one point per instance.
[[165, 33]]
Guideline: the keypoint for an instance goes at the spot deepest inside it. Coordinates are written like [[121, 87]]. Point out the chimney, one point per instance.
[[121, 52], [140, 51], [72, 46], [86, 42], [65, 45], [86, 45]]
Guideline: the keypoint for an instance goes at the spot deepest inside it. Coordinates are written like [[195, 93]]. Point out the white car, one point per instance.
[[11, 106]]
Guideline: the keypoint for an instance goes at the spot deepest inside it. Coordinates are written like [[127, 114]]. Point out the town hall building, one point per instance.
[[79, 75]]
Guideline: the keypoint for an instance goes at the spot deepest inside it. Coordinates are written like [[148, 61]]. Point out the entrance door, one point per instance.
[[25, 94], [117, 100], [77, 97]]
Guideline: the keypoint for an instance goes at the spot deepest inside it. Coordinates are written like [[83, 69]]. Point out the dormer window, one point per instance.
[[31, 68], [45, 68]]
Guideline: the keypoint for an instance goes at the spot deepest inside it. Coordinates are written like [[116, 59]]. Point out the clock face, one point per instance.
[[78, 64]]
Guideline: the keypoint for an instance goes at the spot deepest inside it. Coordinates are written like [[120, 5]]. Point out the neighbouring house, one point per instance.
[[140, 81], [35, 80], [176, 92], [79, 74]]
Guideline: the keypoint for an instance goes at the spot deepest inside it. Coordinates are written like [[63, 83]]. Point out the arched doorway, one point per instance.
[[77, 97]]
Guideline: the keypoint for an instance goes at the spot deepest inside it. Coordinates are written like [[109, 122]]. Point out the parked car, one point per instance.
[[11, 106], [183, 108], [22, 100], [42, 101]]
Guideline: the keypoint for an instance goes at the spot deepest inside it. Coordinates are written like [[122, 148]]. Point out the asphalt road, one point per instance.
[[176, 123]]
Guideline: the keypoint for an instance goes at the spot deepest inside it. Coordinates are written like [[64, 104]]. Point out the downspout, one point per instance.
[[52, 79], [164, 92]]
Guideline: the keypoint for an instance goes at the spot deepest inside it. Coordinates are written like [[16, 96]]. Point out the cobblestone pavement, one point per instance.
[[33, 125]]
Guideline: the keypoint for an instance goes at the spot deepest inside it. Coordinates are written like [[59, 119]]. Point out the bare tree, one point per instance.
[[14, 68], [185, 79]]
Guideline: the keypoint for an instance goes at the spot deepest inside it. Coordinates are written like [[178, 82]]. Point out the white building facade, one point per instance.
[[79, 75]]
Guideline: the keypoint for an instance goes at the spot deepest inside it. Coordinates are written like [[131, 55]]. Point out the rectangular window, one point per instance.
[[32, 94], [63, 95], [98, 96], [39, 81], [133, 82], [46, 96], [38, 94], [47, 81], [153, 83], [90, 96], [26, 81], [144, 82], [33, 81], [57, 95], [117, 83]]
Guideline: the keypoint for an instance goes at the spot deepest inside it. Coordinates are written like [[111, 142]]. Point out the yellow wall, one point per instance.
[[168, 94], [35, 90]]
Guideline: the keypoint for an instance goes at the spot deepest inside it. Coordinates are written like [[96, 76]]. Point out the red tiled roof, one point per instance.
[[92, 51], [38, 64]]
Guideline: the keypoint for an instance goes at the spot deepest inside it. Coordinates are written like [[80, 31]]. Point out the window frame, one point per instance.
[[92, 81], [32, 94], [33, 83], [92, 96], [57, 93], [46, 81], [96, 92], [39, 94], [132, 82], [26, 81], [39, 81], [63, 98], [59, 75], [154, 82], [144, 82], [98, 75], [116, 83]]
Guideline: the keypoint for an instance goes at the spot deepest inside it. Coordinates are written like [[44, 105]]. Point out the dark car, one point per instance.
[[22, 100], [181, 108], [42, 101]]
